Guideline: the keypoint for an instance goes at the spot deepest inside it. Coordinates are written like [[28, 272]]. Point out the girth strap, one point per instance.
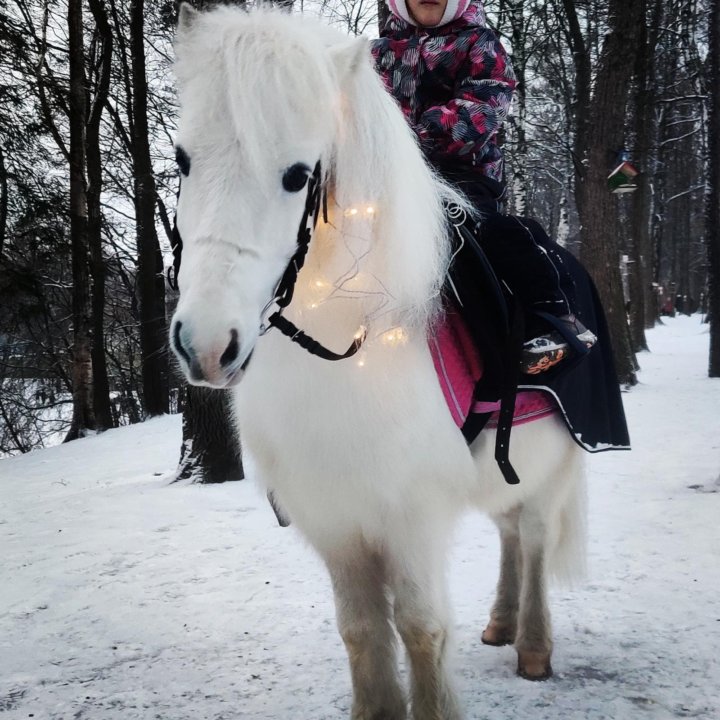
[[512, 340], [509, 396]]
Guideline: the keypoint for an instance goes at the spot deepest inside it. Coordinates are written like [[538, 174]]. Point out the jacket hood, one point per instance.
[[470, 11]]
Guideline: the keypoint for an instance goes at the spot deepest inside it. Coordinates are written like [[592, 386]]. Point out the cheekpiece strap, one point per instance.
[[173, 272], [286, 287]]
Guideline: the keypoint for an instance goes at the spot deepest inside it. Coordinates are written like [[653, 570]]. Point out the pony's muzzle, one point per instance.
[[218, 366]]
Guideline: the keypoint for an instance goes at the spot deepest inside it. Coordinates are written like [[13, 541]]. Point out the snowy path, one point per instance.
[[124, 598]]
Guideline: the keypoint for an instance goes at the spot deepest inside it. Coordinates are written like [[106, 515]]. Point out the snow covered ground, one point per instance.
[[123, 596]]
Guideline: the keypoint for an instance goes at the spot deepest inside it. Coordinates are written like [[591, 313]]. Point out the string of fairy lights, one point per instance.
[[355, 283]]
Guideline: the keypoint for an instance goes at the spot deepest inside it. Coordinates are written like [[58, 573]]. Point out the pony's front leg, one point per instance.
[[534, 635], [363, 617], [422, 619], [502, 628]]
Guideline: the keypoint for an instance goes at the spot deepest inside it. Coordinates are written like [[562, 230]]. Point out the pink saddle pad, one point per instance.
[[459, 366]]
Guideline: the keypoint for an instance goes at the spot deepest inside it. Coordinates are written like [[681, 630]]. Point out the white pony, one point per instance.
[[362, 454]]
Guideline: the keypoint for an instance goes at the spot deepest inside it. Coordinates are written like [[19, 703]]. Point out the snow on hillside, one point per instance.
[[123, 596]]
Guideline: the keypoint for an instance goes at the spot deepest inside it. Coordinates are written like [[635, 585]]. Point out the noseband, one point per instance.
[[286, 287]]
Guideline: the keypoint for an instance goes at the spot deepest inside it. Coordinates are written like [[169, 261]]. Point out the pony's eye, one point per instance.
[[183, 161], [295, 177]]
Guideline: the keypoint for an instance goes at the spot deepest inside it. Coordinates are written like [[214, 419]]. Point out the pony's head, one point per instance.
[[265, 97]]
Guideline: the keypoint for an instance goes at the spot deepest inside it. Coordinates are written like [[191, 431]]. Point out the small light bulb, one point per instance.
[[394, 337], [370, 210]]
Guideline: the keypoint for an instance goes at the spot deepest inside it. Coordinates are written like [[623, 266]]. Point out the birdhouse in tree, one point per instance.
[[623, 178]]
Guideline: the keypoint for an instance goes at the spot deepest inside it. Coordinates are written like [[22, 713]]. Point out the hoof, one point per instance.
[[534, 666], [497, 635]]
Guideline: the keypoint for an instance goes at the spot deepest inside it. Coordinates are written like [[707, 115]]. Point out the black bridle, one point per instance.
[[285, 289]]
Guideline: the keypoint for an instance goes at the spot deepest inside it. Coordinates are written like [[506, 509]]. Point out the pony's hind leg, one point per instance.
[[363, 616], [422, 620], [502, 628], [533, 641]]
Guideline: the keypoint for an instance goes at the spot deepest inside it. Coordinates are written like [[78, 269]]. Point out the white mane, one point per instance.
[[284, 73], [377, 160]]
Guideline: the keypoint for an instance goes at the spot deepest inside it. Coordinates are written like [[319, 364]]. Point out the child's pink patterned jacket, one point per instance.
[[454, 83]]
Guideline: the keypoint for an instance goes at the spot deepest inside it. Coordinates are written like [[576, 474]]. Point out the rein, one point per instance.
[[286, 287]]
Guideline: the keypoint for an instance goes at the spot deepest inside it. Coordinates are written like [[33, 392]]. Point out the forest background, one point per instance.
[[88, 185]]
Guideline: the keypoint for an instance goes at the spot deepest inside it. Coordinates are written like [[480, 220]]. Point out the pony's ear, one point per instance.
[[187, 15], [349, 56]]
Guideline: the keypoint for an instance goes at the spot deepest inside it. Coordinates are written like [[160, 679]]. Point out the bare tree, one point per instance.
[[3, 200], [83, 417], [383, 13], [101, 384], [712, 197], [580, 48], [151, 283], [599, 208], [643, 308]]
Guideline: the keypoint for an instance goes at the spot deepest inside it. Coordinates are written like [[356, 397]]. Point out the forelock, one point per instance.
[[267, 70]]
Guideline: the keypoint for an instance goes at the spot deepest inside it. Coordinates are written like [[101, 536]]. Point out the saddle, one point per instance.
[[459, 367]]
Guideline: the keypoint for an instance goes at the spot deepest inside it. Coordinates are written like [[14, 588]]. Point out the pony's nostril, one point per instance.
[[231, 351], [177, 342]]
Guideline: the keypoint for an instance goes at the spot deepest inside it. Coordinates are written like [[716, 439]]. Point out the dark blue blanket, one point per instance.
[[585, 387]]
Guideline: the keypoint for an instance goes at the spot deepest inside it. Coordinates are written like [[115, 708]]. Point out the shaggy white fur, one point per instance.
[[362, 454]]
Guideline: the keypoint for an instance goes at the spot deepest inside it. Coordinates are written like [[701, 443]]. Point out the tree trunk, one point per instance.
[[580, 48], [713, 190], [82, 419], [519, 60], [600, 249], [101, 384], [643, 308], [150, 279], [383, 14], [210, 451], [3, 201]]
